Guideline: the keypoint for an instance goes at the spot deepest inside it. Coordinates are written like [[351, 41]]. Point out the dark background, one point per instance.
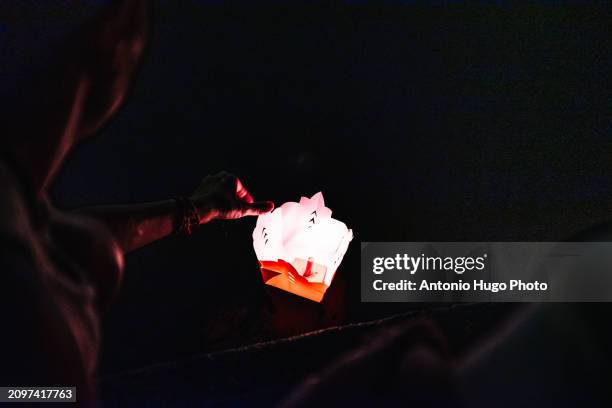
[[417, 123]]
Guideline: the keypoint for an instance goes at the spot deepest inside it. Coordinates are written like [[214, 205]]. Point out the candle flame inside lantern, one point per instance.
[[299, 246]]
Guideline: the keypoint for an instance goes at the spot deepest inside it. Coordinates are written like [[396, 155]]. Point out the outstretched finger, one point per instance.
[[258, 208]]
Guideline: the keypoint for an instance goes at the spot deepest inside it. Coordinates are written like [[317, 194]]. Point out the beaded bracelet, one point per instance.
[[187, 217]]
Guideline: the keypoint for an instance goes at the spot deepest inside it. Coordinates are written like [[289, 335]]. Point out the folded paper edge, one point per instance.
[[277, 274]]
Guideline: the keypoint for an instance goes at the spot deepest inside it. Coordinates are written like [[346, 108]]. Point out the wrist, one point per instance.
[[187, 216]]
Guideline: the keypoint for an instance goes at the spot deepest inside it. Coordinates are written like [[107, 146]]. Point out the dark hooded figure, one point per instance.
[[59, 270]]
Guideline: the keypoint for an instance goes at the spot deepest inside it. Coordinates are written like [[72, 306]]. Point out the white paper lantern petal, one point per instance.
[[300, 246]]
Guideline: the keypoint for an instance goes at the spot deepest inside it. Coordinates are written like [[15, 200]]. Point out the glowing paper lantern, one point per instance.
[[300, 246]]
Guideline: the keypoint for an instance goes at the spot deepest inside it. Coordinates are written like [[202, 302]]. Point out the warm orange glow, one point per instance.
[[283, 275]]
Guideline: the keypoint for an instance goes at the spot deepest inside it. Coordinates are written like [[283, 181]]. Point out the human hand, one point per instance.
[[222, 196]]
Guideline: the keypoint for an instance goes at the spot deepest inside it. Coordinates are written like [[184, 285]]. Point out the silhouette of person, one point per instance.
[[59, 270]]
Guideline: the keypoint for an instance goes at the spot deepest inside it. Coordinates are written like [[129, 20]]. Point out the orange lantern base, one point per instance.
[[283, 275]]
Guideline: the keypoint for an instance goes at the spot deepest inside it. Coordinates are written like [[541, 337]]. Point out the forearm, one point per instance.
[[221, 196], [136, 225]]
